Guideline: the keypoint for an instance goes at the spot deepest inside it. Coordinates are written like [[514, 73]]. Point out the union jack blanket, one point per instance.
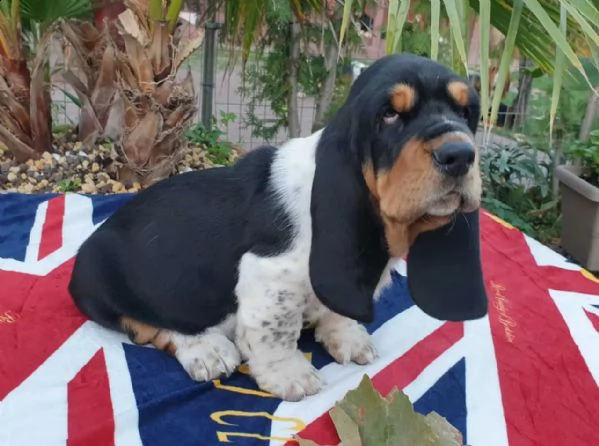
[[527, 374]]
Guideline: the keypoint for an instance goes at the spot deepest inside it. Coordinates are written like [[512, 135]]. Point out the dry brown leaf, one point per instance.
[[131, 117], [140, 10], [160, 51], [105, 87], [163, 92], [139, 144], [141, 65], [180, 115], [17, 111], [131, 25], [160, 171], [125, 76], [21, 151], [89, 125], [187, 85], [7, 119], [187, 48], [40, 100]]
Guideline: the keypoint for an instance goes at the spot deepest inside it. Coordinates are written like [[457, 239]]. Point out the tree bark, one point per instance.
[[327, 89], [294, 55], [516, 115]]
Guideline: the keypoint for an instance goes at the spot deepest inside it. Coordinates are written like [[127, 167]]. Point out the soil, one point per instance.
[[72, 168]]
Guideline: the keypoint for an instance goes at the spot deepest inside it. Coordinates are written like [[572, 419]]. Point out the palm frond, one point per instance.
[[48, 12], [543, 31], [244, 19]]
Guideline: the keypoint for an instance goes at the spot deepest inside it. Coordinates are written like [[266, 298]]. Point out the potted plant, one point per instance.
[[579, 186]]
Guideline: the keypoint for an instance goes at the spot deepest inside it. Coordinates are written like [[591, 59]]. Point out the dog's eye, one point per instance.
[[390, 116]]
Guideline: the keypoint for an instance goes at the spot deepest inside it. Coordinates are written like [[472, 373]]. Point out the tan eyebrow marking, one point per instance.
[[459, 92], [403, 97]]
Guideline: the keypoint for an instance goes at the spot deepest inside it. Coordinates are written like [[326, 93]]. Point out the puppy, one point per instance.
[[227, 264]]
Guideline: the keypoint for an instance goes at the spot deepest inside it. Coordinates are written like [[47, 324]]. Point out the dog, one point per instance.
[[228, 264]]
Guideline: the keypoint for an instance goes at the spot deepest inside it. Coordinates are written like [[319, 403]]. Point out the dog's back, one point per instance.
[[182, 238]]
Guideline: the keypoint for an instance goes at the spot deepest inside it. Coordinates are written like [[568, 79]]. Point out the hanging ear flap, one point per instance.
[[444, 271], [348, 251]]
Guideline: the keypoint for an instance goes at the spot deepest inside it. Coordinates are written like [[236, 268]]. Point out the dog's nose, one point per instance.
[[454, 158]]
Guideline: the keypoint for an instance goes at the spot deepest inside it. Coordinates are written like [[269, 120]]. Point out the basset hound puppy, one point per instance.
[[227, 264]]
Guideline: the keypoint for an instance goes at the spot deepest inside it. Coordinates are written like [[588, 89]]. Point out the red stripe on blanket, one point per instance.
[[90, 419], [38, 316], [593, 318], [52, 229], [549, 396]]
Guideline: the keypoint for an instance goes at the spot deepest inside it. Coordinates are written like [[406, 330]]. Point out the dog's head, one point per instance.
[[397, 169]]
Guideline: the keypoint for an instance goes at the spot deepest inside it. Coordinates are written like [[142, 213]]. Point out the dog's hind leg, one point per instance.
[[205, 356]]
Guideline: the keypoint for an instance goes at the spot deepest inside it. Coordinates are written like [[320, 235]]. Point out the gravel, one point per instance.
[[71, 167]]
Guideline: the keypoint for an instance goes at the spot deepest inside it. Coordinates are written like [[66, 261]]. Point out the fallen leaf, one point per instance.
[[348, 430], [443, 427], [365, 418], [304, 442]]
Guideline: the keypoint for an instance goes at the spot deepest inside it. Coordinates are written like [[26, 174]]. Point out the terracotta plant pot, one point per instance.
[[580, 217]]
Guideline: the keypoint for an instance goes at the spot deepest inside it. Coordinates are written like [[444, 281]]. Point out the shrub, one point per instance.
[[517, 188], [588, 154]]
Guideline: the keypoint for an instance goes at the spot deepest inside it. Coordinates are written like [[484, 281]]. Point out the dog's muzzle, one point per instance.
[[454, 158]]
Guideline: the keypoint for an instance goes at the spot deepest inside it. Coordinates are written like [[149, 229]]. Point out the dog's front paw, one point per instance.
[[208, 357], [346, 340], [290, 379]]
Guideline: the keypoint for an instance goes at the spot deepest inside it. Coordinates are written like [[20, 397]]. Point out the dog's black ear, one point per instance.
[[444, 271], [348, 251]]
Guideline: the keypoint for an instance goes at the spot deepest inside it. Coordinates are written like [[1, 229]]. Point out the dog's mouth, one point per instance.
[[447, 205]]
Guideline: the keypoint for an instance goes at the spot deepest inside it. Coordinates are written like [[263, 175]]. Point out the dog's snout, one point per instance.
[[454, 158]]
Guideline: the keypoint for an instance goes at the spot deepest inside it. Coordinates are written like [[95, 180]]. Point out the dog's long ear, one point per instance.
[[348, 251], [444, 271]]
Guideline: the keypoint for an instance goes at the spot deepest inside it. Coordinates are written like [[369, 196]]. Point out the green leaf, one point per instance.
[[506, 58], [589, 10], [155, 10], [74, 99], [389, 421], [46, 12], [558, 37], [5, 8], [455, 22], [586, 27], [172, 13], [15, 12], [485, 38], [435, 28], [558, 75], [345, 20], [398, 14]]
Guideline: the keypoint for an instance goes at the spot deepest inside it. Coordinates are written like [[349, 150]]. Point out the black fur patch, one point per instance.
[[169, 256]]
